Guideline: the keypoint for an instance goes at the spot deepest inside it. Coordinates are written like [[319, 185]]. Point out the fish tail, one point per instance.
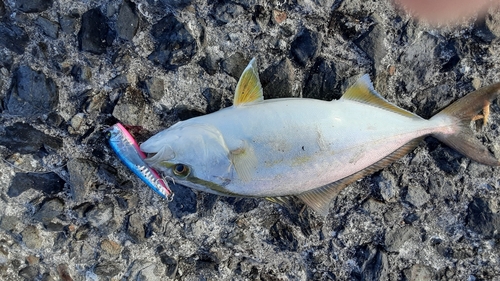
[[460, 135]]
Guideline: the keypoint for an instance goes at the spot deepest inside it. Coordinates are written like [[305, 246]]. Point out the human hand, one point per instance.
[[445, 11]]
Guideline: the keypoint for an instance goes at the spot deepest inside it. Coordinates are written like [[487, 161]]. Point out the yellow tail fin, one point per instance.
[[464, 111]]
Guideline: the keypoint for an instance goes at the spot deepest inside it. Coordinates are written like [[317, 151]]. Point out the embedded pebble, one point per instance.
[[279, 16], [32, 93], [95, 35], [2, 9], [76, 122], [13, 37], [321, 81], [175, 44], [155, 87], [398, 236], [100, 215], [417, 196], [421, 273], [304, 47], [420, 57], [441, 188], [33, 6], [135, 228], [227, 12], [107, 269], [49, 183], [387, 186], [68, 23], [111, 247], [4, 255], [8, 223], [32, 259], [82, 175], [128, 21], [209, 63], [277, 80], [31, 237], [63, 272], [49, 212], [48, 27], [119, 81], [29, 272], [23, 138], [492, 21], [282, 236], [480, 218], [130, 108], [372, 43], [81, 73], [184, 202], [214, 100], [234, 65], [145, 270]]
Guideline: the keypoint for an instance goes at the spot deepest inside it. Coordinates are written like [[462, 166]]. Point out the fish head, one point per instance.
[[194, 155]]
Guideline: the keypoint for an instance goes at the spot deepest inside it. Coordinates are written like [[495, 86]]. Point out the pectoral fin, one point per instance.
[[244, 161], [249, 88]]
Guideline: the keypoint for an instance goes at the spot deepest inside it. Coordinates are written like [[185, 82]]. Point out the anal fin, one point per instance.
[[319, 199], [279, 200]]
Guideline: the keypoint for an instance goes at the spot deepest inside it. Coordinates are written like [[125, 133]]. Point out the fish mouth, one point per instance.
[[154, 158]]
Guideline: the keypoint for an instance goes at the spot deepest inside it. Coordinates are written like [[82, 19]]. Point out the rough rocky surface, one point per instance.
[[31, 93], [69, 210]]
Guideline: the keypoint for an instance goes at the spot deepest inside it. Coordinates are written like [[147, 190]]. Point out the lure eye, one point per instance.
[[181, 170], [108, 135]]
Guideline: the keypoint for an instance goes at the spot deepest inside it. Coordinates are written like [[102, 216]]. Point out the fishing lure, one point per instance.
[[126, 148]]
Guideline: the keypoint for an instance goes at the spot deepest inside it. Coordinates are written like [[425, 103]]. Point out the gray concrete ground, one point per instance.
[[69, 210]]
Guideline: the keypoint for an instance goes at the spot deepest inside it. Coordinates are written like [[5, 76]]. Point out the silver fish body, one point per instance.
[[327, 142], [303, 147]]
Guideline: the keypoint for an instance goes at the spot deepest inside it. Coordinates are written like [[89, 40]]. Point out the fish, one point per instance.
[[127, 150], [307, 148]]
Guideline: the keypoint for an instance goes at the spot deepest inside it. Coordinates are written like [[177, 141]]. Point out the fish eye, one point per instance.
[[181, 170]]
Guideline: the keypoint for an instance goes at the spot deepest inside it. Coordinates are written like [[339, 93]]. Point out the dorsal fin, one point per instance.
[[249, 88], [319, 199], [362, 91]]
